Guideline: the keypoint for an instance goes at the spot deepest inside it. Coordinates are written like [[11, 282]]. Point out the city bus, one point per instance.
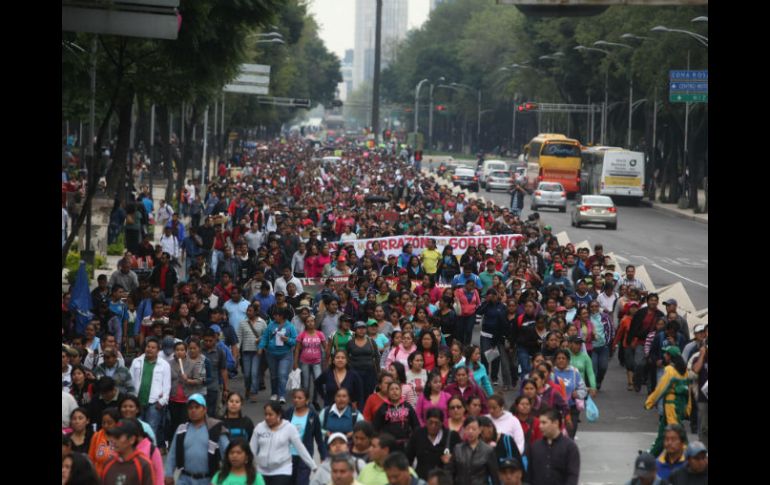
[[553, 157], [612, 171]]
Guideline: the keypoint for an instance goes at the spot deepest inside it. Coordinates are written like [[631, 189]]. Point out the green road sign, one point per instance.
[[688, 98]]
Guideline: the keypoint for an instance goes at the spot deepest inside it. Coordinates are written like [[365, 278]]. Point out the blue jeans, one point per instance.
[[308, 370], [280, 366], [215, 255], [251, 371], [523, 357], [155, 418], [486, 344], [600, 358]]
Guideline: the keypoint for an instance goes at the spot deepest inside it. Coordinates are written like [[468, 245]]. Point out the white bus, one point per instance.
[[612, 171]]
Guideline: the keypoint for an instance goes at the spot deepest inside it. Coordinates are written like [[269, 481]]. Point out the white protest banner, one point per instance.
[[395, 244]]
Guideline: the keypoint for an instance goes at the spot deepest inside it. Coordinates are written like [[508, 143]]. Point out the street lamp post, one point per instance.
[[702, 40], [416, 107], [430, 114], [606, 89], [630, 85]]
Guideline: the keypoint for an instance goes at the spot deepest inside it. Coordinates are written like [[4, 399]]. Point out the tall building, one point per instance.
[[395, 16], [346, 86]]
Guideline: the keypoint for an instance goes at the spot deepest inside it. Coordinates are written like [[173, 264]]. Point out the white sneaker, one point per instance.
[[283, 400], [274, 397]]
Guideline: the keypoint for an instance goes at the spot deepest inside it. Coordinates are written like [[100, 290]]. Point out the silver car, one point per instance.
[[499, 179], [549, 194], [595, 209]]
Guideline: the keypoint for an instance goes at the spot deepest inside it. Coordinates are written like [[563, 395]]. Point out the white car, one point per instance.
[[550, 194], [499, 179], [595, 209], [490, 166]]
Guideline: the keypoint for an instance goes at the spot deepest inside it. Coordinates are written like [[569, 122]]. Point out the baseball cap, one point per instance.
[[335, 436], [672, 350], [695, 448], [392, 256], [576, 339], [701, 327], [196, 328], [547, 227], [371, 322], [346, 318], [197, 398], [511, 463], [124, 427], [561, 309], [670, 301], [491, 260], [216, 328], [644, 466], [359, 324], [558, 267], [342, 258], [490, 252]]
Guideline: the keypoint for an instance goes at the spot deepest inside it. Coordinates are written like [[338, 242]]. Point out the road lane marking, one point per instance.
[[679, 276]]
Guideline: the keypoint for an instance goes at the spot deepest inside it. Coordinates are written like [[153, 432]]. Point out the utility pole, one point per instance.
[[376, 80], [92, 177], [205, 143]]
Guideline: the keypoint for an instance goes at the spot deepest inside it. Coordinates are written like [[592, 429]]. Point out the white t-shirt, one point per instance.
[[348, 237]]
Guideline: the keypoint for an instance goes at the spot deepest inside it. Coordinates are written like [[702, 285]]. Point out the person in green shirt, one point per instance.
[[238, 467], [486, 276], [374, 473], [582, 362], [340, 338]]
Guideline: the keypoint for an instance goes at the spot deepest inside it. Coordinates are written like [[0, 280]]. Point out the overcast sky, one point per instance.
[[337, 21]]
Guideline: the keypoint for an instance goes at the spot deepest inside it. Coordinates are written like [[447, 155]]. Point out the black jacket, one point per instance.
[[637, 325], [494, 321], [429, 455], [474, 467], [312, 431], [557, 463], [171, 280]]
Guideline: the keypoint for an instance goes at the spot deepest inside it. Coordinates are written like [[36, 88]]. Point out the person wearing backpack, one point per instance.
[[129, 465], [339, 417], [198, 446], [575, 388]]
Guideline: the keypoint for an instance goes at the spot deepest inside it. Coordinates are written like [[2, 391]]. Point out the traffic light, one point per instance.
[[521, 108], [440, 107], [527, 107]]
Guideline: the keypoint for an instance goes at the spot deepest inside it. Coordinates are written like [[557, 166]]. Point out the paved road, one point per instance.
[[670, 248]]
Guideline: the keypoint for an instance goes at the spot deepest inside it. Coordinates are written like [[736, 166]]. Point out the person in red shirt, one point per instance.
[[376, 400]]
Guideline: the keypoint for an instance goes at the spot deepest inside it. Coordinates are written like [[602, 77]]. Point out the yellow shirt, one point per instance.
[[430, 259]]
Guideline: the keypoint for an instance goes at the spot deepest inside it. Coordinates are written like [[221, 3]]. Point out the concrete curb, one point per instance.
[[674, 212]]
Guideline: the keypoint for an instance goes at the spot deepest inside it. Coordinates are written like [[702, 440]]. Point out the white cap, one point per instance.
[[334, 436]]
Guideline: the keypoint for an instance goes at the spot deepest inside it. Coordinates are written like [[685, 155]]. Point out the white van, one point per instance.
[[491, 166]]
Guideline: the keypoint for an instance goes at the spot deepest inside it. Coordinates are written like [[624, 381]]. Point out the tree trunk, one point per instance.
[[93, 163], [167, 150], [117, 178], [187, 152], [695, 172]]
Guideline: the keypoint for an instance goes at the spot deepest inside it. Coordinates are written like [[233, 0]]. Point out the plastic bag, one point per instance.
[[592, 412], [294, 381], [492, 354]]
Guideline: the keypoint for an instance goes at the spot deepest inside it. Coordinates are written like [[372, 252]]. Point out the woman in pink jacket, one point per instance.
[[432, 397], [469, 301]]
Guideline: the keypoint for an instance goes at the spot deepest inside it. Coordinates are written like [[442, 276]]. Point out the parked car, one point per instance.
[[499, 179], [466, 178], [595, 209], [549, 194]]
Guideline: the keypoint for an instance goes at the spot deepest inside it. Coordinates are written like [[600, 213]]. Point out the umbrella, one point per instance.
[[80, 303]]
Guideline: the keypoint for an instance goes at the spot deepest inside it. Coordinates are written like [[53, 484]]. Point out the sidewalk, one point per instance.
[[674, 209]]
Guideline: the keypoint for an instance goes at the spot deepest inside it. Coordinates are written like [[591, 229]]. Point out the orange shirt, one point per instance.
[[373, 403]]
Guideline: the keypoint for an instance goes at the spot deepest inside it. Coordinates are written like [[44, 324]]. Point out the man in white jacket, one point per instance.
[[152, 379], [288, 277]]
